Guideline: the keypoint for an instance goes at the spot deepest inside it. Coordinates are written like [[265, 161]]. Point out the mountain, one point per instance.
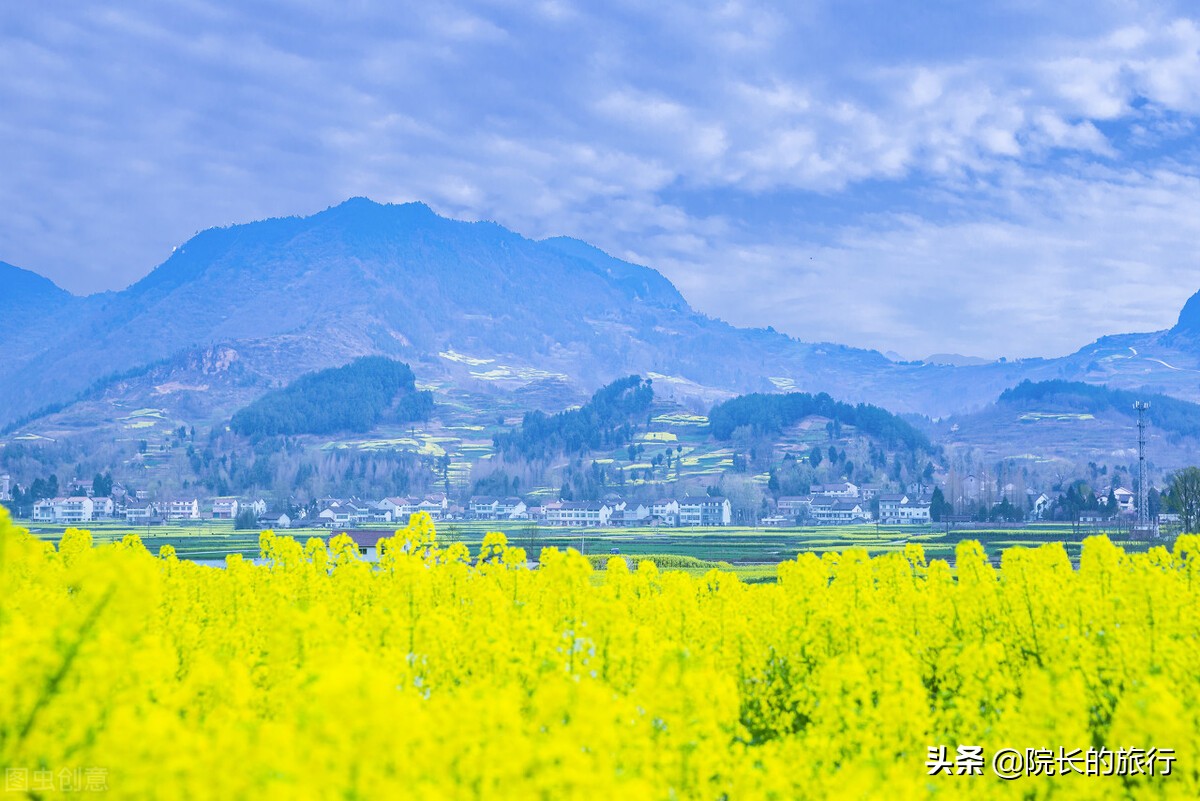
[[22, 291], [472, 306], [1070, 422], [1189, 318], [27, 300], [954, 359]]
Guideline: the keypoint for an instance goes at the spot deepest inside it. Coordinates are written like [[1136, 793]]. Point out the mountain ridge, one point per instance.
[[294, 294]]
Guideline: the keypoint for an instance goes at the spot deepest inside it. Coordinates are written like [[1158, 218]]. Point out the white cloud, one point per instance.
[[698, 138]]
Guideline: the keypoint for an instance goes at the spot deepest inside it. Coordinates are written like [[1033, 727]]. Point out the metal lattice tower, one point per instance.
[[1143, 488]]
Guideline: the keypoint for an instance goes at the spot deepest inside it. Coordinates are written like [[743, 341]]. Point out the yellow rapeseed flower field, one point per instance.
[[435, 675]]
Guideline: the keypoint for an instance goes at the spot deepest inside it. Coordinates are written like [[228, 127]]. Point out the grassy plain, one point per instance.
[[752, 552]]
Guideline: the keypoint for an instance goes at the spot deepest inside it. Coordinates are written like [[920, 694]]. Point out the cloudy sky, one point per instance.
[[1007, 178]]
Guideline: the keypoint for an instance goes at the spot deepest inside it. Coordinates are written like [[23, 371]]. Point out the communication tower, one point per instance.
[[1144, 528]]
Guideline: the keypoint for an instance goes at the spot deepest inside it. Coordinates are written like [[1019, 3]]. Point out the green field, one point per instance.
[[752, 551]]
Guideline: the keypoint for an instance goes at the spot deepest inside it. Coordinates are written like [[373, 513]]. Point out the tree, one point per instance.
[[1184, 498], [815, 456], [246, 520], [102, 485], [938, 506]]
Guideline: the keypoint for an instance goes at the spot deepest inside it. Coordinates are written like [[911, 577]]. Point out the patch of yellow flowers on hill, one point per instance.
[[437, 675]]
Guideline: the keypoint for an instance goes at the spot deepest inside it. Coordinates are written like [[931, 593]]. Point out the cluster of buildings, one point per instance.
[[336, 513], [613, 511], [844, 503], [140, 511]]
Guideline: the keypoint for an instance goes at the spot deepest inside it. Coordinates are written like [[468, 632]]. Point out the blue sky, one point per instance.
[[1011, 178]]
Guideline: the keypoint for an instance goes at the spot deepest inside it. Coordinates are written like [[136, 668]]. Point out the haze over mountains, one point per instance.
[[474, 305]]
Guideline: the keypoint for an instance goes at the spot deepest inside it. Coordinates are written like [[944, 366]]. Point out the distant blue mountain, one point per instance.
[[22, 291], [470, 304], [1189, 317]]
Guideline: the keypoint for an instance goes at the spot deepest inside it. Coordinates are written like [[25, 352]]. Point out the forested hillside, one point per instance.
[[1166, 413], [770, 414], [604, 422], [353, 398]]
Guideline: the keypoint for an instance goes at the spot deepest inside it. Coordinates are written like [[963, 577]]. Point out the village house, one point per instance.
[[141, 513], [631, 514], [793, 506], [841, 489], [103, 508], [274, 521], [1038, 505], [840, 512], [665, 510], [483, 507], [511, 508], [224, 508], [580, 514], [900, 509], [71, 511], [5, 487], [889, 507], [1126, 500], [184, 509], [368, 542], [706, 510], [434, 506], [341, 513], [43, 510]]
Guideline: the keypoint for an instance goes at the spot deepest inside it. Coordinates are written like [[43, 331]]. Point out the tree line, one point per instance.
[[604, 422], [353, 398], [769, 414]]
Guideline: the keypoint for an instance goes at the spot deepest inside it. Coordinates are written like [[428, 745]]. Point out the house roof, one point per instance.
[[365, 538], [580, 506], [702, 500]]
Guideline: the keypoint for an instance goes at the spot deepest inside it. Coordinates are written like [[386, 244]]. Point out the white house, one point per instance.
[[140, 513], [842, 489], [705, 510], [368, 543], [5, 487], [889, 507], [434, 507], [580, 514], [483, 507], [224, 508], [1039, 505], [274, 521], [899, 509], [43, 510], [631, 514], [511, 509], [793, 506], [840, 511], [666, 510], [916, 513], [76, 509], [340, 514], [103, 508], [184, 509], [1125, 500]]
